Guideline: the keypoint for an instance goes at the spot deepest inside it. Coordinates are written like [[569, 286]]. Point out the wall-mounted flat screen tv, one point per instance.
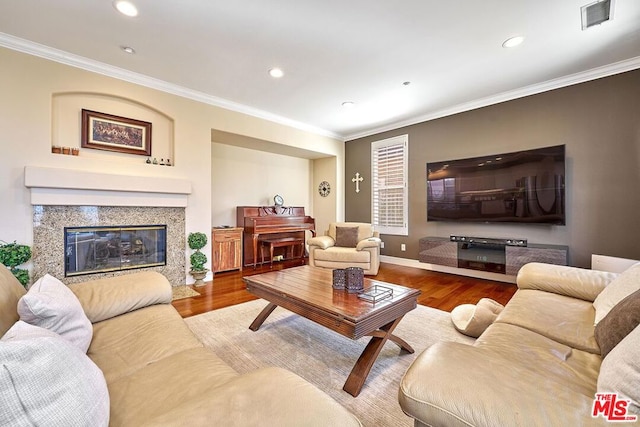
[[524, 187]]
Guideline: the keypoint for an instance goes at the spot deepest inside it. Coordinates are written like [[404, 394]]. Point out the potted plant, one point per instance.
[[12, 255], [196, 242]]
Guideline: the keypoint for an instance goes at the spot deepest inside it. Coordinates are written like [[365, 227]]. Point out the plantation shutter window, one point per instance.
[[389, 185]]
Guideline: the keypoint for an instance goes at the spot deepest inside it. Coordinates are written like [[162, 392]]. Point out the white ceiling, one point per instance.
[[333, 51]]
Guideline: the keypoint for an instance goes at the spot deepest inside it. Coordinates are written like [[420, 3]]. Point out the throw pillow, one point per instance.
[[619, 288], [347, 237], [473, 320], [620, 371], [45, 380], [50, 304], [618, 323]]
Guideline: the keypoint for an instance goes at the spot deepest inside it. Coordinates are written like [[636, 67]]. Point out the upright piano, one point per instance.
[[274, 221]]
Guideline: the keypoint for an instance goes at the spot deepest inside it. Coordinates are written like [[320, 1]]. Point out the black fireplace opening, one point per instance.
[[90, 250]]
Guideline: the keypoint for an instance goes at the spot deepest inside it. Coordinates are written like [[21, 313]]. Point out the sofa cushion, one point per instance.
[[620, 370], [347, 237], [124, 344], [339, 254], [539, 312], [618, 323], [622, 286], [46, 380], [50, 304]]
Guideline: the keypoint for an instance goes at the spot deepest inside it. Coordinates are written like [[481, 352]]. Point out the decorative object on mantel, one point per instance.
[[103, 131], [155, 161], [12, 255], [196, 242], [66, 150], [148, 161], [357, 179], [56, 149], [75, 151], [324, 188]]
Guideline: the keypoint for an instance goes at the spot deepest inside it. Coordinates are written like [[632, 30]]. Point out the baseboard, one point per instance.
[[451, 270]]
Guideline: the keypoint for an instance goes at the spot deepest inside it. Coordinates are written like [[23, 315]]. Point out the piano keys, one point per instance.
[[271, 221]]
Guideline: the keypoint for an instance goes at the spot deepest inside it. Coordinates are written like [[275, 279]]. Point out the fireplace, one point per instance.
[[91, 250], [63, 199]]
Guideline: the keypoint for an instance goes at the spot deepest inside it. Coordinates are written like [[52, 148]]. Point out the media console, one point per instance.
[[505, 256]]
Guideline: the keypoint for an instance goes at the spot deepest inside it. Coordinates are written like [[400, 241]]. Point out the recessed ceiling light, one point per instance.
[[126, 8], [128, 49], [276, 73], [348, 104], [513, 41]]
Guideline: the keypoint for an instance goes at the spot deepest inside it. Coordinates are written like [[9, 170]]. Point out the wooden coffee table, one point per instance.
[[307, 291]]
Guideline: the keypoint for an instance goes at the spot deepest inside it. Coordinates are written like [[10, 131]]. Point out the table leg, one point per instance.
[[259, 320], [255, 250], [360, 371], [271, 253]]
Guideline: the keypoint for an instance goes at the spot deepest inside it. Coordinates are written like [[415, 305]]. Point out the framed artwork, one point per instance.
[[103, 131]]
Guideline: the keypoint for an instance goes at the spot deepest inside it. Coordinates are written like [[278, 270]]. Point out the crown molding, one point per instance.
[[582, 77], [56, 55], [60, 56]]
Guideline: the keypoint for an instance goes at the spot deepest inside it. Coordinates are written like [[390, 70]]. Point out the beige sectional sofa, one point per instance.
[[539, 363], [346, 244], [156, 371]]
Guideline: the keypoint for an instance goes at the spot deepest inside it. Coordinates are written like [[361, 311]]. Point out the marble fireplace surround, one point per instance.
[[68, 198]]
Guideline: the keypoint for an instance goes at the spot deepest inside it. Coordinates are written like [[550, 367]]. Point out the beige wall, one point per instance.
[[599, 122], [325, 169], [28, 85], [246, 177]]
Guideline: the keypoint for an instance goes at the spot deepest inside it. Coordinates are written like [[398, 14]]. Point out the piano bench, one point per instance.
[[289, 242]]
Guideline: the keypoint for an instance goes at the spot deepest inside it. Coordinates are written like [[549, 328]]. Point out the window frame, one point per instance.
[[376, 146]]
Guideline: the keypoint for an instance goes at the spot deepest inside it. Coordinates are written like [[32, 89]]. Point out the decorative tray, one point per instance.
[[376, 293]]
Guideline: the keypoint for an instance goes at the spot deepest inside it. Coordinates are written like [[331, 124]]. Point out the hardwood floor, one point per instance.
[[439, 290]]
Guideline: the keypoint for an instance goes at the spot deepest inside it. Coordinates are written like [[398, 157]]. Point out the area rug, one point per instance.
[[181, 292], [321, 356]]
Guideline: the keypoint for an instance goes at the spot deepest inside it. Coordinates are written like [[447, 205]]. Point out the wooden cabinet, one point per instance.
[[227, 249]]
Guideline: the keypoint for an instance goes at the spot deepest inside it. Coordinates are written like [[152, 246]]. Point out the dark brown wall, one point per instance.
[[599, 121]]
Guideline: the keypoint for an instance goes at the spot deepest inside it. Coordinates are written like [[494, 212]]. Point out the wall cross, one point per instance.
[[357, 179]]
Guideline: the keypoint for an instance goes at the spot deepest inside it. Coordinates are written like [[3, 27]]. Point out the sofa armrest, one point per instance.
[[559, 279], [370, 242], [323, 242], [110, 297], [455, 384]]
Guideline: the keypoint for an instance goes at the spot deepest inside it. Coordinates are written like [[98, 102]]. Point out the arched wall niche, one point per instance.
[[66, 125]]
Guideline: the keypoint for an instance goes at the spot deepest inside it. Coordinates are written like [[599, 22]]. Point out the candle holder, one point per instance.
[[355, 280], [339, 279]]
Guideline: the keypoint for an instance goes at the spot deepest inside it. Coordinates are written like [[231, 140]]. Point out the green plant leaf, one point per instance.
[[13, 254], [198, 260], [197, 240]]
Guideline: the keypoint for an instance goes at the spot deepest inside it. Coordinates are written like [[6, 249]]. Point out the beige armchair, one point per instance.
[[346, 244]]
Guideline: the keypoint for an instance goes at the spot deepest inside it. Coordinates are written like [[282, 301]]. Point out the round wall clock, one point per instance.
[[278, 200], [324, 188]]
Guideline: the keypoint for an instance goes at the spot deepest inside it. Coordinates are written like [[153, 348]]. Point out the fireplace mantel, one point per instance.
[[57, 186]]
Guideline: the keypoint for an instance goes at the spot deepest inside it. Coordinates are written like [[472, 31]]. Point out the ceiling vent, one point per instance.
[[596, 13]]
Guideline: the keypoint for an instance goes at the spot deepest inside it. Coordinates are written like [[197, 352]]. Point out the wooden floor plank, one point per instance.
[[439, 290]]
